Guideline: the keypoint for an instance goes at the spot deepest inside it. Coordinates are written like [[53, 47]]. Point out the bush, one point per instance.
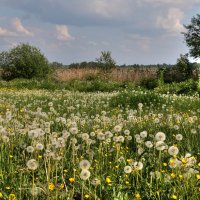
[[187, 87], [149, 83], [24, 61]]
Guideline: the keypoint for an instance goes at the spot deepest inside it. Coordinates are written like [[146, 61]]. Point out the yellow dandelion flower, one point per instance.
[[180, 176], [61, 186], [12, 197], [51, 186], [71, 180], [198, 176], [164, 164], [184, 160], [137, 196], [87, 196], [127, 183], [173, 175], [108, 180], [173, 196]]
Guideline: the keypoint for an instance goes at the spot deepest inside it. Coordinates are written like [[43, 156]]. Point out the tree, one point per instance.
[[106, 61], [192, 36], [24, 61]]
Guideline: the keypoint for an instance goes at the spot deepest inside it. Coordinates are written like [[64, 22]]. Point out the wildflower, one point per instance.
[[160, 136], [71, 180], [84, 164], [164, 164], [32, 164], [1, 195], [160, 145], [198, 176], [39, 146], [173, 175], [127, 169], [85, 174], [51, 186], [143, 134], [138, 165], [148, 144], [87, 196], [96, 182], [137, 196], [30, 149], [173, 150], [12, 197], [117, 128], [108, 180], [179, 137], [173, 196]]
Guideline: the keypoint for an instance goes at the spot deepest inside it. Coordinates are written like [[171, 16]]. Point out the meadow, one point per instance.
[[121, 145]]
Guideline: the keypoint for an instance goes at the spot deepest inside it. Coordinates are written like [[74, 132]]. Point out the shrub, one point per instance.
[[24, 61], [149, 83]]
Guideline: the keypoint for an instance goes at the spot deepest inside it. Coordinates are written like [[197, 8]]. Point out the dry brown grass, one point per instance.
[[117, 74]]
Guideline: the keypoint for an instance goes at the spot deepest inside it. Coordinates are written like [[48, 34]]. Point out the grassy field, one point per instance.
[[121, 145]]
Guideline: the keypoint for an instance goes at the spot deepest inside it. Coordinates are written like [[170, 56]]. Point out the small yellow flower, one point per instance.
[[116, 166], [173, 196], [180, 176], [11, 156], [199, 164], [164, 164], [7, 188], [12, 197], [108, 180], [51, 186], [137, 196], [173, 175], [198, 176], [87, 196], [163, 171], [61, 186], [1, 195], [65, 170], [184, 160], [127, 183], [40, 157], [71, 180]]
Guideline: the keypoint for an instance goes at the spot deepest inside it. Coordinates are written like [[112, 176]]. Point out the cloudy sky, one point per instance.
[[135, 31]]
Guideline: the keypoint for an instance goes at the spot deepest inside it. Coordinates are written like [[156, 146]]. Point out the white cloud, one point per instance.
[[172, 22], [63, 33], [111, 8], [20, 28], [5, 33]]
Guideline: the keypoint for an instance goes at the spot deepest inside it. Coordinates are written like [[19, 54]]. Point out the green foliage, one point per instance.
[[133, 98], [182, 71], [24, 61], [105, 61], [186, 87], [149, 83], [192, 36]]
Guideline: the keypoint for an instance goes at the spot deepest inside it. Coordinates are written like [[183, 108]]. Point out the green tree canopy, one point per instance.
[[106, 61], [24, 61], [192, 36]]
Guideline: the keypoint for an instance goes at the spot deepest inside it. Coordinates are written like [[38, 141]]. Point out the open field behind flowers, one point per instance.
[[98, 146]]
